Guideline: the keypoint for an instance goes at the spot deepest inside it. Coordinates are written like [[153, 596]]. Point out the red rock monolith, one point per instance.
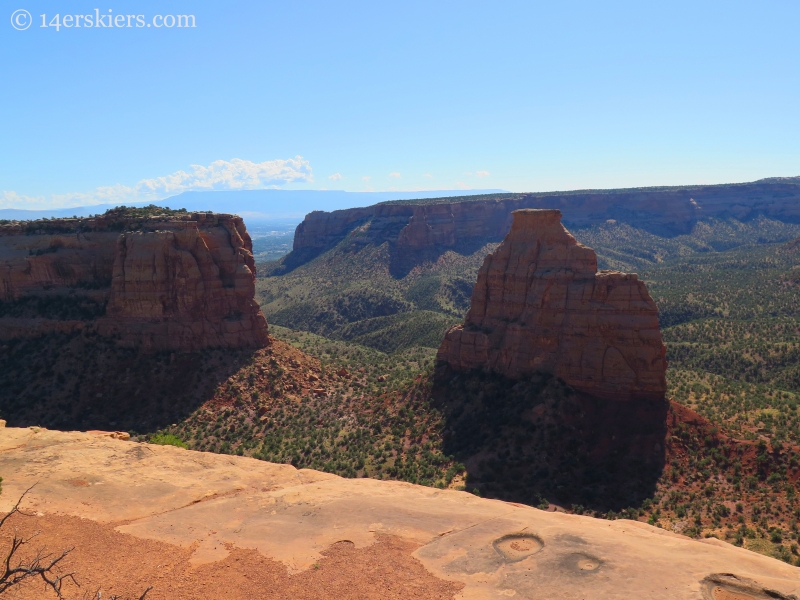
[[540, 305]]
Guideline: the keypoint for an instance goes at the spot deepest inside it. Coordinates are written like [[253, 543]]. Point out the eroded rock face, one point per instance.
[[448, 222], [176, 282], [540, 305]]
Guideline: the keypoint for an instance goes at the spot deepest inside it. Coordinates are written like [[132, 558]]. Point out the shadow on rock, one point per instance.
[[537, 440]]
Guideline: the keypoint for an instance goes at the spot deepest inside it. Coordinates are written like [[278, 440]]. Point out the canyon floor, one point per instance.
[[203, 525]]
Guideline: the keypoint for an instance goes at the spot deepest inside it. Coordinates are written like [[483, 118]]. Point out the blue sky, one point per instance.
[[396, 96]]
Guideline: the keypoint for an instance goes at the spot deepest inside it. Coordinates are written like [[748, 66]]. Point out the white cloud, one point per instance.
[[335, 176], [482, 173], [15, 200], [428, 175], [396, 175], [467, 173], [366, 178], [236, 174]]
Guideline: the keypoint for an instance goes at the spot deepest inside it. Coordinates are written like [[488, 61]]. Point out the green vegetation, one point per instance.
[[143, 212], [733, 337], [352, 296], [729, 300], [727, 294], [531, 439], [371, 421], [82, 380], [272, 247], [167, 439], [117, 218], [398, 369], [626, 248]]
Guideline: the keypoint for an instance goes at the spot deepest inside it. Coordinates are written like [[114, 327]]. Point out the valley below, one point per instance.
[[351, 380]]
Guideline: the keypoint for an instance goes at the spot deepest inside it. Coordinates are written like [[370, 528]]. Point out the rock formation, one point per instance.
[[171, 281], [217, 515], [540, 305], [447, 222]]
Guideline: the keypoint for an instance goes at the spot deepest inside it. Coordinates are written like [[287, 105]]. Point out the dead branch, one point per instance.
[[42, 565], [98, 595]]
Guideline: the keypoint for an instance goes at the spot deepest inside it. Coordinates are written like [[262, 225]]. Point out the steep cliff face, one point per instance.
[[164, 282], [665, 211], [540, 305]]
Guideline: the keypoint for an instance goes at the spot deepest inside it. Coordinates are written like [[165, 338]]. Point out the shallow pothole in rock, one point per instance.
[[726, 586], [582, 563], [517, 546]]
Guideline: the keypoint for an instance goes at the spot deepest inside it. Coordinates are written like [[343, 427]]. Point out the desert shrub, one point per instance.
[[167, 439]]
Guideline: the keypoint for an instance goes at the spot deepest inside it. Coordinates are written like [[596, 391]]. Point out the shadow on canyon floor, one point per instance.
[[403, 260], [537, 440], [85, 381]]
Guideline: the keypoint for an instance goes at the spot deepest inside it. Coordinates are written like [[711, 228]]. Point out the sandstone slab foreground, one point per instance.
[[214, 505]]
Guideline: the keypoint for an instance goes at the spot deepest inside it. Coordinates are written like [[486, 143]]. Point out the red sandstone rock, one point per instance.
[[447, 222], [173, 282], [540, 305]]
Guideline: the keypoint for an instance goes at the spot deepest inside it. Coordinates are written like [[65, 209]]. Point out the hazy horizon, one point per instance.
[[367, 97]]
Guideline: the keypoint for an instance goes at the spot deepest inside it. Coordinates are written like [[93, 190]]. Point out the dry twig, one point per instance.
[[41, 565]]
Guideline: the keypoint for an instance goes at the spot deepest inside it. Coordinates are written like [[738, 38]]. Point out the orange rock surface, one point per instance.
[[540, 305], [172, 282], [207, 509]]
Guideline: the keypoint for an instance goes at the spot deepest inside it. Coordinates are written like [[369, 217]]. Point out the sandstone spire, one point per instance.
[[540, 305]]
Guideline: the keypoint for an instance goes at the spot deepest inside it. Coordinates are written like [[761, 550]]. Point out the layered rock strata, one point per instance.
[[165, 282], [540, 305], [449, 221]]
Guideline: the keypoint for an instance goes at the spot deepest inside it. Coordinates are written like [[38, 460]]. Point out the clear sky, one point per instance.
[[523, 96]]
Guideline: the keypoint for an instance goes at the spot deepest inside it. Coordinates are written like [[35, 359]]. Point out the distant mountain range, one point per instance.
[[256, 206]]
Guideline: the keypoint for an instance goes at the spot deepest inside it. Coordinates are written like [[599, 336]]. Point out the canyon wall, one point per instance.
[[172, 281], [540, 305], [446, 222]]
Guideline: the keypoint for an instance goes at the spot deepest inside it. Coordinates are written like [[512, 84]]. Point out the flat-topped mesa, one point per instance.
[[448, 222], [172, 281], [540, 305]]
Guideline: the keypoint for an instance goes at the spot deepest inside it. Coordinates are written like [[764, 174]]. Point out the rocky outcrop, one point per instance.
[[205, 509], [540, 305], [447, 222], [163, 282]]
